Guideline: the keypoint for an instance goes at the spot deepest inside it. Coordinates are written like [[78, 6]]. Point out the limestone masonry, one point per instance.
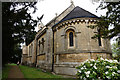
[[65, 42]]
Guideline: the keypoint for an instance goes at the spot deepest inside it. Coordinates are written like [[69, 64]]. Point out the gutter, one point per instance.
[[53, 53], [36, 54], [53, 47]]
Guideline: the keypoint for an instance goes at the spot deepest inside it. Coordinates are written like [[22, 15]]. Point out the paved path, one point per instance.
[[15, 73]]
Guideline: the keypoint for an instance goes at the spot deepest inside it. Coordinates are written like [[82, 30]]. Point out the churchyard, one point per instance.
[[100, 69]]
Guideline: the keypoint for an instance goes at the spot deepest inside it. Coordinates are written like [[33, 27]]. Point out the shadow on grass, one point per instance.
[[5, 71], [30, 73]]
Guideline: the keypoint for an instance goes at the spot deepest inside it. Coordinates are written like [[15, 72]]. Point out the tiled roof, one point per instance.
[[78, 12]]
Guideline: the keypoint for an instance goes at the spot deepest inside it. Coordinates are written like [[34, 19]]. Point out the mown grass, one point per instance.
[[30, 73], [0, 72], [5, 71], [12, 64]]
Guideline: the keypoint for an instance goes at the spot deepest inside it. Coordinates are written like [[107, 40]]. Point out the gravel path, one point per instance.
[[15, 73]]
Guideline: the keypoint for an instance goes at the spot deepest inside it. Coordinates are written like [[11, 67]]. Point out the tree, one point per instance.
[[17, 25], [112, 18], [16, 56], [116, 51]]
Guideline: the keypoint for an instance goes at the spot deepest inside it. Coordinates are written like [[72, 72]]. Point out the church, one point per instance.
[[66, 41]]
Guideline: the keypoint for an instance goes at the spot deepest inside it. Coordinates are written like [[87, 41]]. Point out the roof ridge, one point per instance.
[[67, 9], [87, 11], [77, 12], [71, 6], [79, 16]]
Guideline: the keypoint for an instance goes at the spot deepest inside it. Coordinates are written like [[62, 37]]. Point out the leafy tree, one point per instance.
[[16, 56], [116, 51], [17, 27], [112, 18]]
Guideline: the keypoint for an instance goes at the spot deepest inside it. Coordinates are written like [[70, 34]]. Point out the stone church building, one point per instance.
[[65, 42]]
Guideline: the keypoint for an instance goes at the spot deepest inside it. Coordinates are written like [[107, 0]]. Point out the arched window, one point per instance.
[[39, 43], [71, 40], [99, 38], [31, 49], [39, 47], [43, 41]]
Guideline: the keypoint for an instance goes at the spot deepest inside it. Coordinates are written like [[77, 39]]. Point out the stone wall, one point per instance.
[[41, 57], [80, 57], [83, 37], [24, 59], [73, 57], [67, 63], [66, 57], [24, 55], [44, 51], [30, 53]]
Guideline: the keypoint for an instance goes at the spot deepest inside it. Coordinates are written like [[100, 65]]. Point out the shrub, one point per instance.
[[100, 69]]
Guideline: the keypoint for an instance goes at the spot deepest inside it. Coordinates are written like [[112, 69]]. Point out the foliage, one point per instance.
[[112, 18], [30, 72], [100, 69], [16, 55], [17, 27], [116, 51], [17, 20]]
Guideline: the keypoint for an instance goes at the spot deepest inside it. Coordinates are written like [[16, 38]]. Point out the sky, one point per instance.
[[50, 7]]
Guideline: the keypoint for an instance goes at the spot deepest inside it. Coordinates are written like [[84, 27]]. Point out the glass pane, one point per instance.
[[99, 38], [71, 38]]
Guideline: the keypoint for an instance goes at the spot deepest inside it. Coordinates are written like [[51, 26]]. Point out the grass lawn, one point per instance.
[[12, 64], [5, 71], [30, 72]]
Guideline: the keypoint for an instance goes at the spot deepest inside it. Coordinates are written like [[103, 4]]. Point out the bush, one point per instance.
[[100, 69]]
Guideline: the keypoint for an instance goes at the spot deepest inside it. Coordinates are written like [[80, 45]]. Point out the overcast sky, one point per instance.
[[50, 7]]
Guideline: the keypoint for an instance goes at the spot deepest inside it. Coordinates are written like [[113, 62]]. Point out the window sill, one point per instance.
[[71, 47], [29, 56], [40, 54]]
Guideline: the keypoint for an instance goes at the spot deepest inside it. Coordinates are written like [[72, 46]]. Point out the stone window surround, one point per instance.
[[29, 50], [66, 38], [41, 46]]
